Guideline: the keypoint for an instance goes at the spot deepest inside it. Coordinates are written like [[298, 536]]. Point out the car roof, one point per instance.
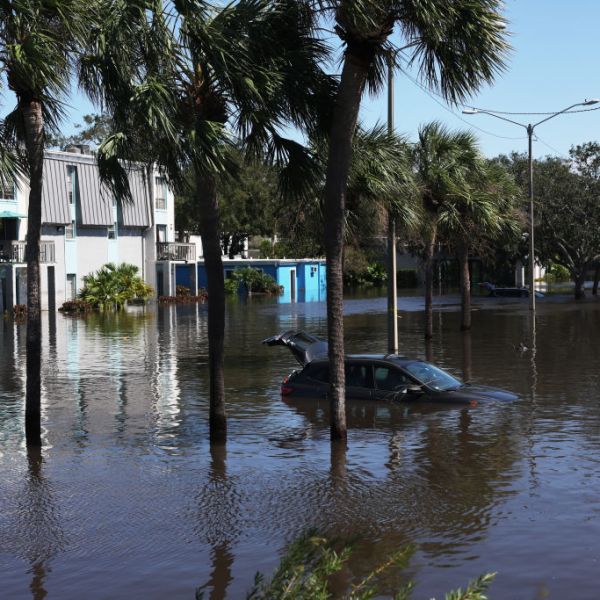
[[389, 358]]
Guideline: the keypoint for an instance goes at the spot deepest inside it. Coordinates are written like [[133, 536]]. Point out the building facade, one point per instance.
[[84, 226]]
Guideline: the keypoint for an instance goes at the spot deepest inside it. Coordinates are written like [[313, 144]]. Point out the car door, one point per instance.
[[359, 380], [390, 381]]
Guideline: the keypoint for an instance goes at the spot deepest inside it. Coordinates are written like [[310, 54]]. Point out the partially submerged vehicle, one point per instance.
[[377, 376], [508, 292]]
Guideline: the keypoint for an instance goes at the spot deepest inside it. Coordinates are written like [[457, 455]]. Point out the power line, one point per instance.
[[506, 112], [446, 108]]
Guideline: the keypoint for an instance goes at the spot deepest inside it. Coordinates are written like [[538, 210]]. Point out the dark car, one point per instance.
[[377, 376]]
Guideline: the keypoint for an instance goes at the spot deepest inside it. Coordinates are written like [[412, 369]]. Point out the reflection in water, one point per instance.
[[221, 556], [41, 536], [467, 356]]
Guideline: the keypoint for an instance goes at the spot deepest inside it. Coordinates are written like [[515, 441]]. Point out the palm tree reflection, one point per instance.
[[38, 526]]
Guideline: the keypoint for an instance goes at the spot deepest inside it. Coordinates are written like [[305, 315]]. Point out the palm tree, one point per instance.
[[457, 46], [249, 67], [37, 44], [475, 221], [446, 164]]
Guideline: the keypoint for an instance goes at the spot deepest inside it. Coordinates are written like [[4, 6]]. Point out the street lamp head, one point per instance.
[[591, 101], [470, 111]]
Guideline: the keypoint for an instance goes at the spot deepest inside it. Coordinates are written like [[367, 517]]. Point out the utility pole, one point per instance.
[[392, 289]]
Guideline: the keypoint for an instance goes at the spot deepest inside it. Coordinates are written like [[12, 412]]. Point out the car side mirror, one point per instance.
[[413, 389]]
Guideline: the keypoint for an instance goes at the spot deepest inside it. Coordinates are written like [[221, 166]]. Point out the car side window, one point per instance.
[[388, 378], [358, 375]]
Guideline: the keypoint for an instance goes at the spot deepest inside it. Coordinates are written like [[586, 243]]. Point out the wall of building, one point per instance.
[[91, 248]]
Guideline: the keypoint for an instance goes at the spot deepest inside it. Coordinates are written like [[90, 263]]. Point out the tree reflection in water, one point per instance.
[[221, 554], [40, 535]]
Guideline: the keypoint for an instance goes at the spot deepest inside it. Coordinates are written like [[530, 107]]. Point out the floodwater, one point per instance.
[[128, 500]]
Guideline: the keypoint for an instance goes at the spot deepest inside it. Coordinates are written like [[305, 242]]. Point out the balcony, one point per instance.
[[14, 251], [175, 251]]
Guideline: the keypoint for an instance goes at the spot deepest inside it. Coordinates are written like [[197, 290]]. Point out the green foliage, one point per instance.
[[567, 210], [232, 286], [112, 286], [304, 572], [253, 281], [182, 290], [359, 271], [556, 273], [94, 130]]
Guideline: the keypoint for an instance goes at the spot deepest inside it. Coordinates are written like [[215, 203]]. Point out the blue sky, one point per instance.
[[554, 64]]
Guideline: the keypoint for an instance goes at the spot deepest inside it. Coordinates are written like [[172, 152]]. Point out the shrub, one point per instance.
[[182, 290], [75, 306], [20, 311], [557, 273], [255, 281], [112, 286], [304, 572], [232, 286]]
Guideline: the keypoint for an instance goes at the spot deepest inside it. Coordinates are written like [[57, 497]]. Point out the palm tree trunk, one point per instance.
[[352, 83], [210, 225], [429, 250], [34, 145], [465, 287]]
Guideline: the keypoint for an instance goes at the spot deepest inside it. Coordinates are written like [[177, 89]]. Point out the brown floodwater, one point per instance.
[[128, 500]]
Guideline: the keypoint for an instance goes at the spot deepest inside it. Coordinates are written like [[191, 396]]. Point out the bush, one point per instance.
[[75, 306], [182, 290], [112, 286], [556, 273], [254, 281], [20, 311], [304, 572], [184, 298], [232, 286]]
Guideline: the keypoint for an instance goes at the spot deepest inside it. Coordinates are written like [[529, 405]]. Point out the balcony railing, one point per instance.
[[175, 251], [14, 251]]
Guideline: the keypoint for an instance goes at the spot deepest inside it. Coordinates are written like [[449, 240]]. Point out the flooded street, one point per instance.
[[130, 501]]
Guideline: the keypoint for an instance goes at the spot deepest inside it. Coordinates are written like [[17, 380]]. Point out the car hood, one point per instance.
[[483, 392], [304, 346]]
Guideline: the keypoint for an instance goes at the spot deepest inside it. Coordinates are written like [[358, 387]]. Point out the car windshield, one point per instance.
[[432, 376]]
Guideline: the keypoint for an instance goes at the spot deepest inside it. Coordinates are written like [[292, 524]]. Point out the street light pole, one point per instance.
[[530, 129], [391, 241], [531, 222]]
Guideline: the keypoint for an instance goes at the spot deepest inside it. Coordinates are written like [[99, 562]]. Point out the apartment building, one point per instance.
[[84, 226]]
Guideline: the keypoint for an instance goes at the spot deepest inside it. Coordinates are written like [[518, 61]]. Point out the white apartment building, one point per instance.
[[84, 227]]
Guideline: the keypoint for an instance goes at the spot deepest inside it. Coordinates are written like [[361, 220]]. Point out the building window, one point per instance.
[[71, 286], [112, 232], [7, 191], [70, 231], [70, 184], [160, 183]]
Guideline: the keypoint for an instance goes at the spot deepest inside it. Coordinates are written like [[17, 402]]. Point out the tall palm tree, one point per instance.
[[38, 41], [473, 222], [457, 47], [446, 164], [249, 67]]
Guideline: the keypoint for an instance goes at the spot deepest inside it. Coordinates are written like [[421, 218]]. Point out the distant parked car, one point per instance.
[[377, 376], [508, 292]]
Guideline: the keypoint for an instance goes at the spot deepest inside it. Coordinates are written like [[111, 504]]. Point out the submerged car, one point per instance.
[[377, 376]]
